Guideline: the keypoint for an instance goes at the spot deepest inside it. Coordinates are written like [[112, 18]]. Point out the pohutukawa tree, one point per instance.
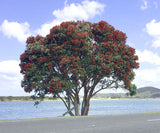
[[78, 57]]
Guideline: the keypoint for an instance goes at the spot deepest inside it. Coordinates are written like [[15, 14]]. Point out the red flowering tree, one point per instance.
[[78, 56]]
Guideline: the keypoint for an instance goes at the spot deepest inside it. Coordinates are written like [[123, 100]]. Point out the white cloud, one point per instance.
[[10, 78], [153, 29], [45, 28], [84, 11], [74, 11], [148, 57], [9, 67], [17, 30], [148, 77], [145, 5]]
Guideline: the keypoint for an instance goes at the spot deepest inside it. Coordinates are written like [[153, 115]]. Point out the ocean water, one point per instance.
[[23, 110]]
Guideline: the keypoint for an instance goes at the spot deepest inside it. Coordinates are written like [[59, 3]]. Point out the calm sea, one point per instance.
[[22, 110]]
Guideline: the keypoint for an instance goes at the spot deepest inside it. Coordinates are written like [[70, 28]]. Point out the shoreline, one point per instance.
[[41, 118], [48, 99]]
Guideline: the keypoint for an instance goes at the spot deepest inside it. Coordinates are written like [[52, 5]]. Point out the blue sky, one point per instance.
[[139, 19]]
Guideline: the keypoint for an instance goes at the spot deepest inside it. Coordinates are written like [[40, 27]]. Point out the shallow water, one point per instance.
[[22, 110]]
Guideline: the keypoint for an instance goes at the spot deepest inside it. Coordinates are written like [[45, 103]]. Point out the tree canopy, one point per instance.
[[78, 56]]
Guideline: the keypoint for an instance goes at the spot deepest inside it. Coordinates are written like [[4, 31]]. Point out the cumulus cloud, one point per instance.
[[148, 57], [45, 28], [9, 67], [75, 11], [10, 78], [148, 77], [84, 11], [153, 29], [17, 30]]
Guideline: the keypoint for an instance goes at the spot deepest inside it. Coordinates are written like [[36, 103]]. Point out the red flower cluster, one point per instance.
[[30, 40], [56, 86], [78, 50], [24, 55], [28, 66], [69, 60], [43, 59]]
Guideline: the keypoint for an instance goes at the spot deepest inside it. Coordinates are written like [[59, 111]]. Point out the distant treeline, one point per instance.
[[23, 98], [145, 92]]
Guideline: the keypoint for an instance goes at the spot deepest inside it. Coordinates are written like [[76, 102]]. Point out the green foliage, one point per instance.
[[76, 55], [132, 89]]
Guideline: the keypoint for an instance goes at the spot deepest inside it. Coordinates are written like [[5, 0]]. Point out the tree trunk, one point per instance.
[[76, 106], [86, 98], [85, 107]]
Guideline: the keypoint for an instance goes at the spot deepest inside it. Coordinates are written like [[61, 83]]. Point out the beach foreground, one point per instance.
[[128, 123]]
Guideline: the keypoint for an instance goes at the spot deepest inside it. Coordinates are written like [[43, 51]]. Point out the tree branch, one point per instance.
[[104, 88], [96, 81], [63, 100], [68, 108]]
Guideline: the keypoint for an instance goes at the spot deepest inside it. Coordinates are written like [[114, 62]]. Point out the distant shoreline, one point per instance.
[[142, 93], [28, 98], [23, 98]]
